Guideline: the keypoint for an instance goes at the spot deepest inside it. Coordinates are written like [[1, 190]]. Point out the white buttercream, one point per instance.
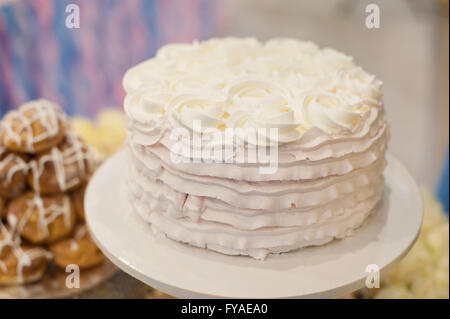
[[285, 83]]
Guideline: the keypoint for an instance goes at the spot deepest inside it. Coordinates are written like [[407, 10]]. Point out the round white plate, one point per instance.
[[183, 271]]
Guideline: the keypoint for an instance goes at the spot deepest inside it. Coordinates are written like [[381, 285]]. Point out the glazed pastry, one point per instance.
[[78, 200], [35, 127], [20, 264], [13, 173], [41, 219], [79, 250], [62, 168]]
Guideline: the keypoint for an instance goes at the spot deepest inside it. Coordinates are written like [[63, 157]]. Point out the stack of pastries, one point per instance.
[[44, 169]]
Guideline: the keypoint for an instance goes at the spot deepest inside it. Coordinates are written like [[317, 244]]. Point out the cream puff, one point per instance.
[[41, 219], [79, 250], [13, 173], [20, 264], [34, 127], [62, 168]]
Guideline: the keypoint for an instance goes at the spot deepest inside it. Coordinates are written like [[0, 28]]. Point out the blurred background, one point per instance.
[[82, 68], [409, 53]]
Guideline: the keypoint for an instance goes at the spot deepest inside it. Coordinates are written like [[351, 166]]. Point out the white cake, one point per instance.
[[330, 144]]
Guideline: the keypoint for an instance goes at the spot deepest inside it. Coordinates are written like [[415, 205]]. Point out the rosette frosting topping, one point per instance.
[[234, 82]]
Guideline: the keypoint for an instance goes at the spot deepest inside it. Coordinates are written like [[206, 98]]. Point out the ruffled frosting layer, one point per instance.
[[251, 218], [257, 242], [160, 197], [261, 195]]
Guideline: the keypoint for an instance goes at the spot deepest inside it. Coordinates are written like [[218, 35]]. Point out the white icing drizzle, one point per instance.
[[18, 165], [77, 154], [81, 232], [74, 245], [46, 214], [45, 112], [24, 258]]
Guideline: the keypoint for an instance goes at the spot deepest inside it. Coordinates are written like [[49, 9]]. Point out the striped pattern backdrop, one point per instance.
[[82, 68]]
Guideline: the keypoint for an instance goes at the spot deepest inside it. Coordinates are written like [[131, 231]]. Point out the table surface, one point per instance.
[[129, 288]]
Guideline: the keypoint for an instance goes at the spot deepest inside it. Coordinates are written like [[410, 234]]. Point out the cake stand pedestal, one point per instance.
[[328, 271]]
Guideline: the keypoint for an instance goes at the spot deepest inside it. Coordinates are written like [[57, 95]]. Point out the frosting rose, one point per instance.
[[263, 105], [187, 108], [333, 113], [147, 104]]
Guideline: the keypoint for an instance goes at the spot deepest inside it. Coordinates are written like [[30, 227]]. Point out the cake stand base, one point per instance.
[[328, 271]]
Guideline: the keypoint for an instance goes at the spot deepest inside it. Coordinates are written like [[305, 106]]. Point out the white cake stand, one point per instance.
[[183, 271]]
